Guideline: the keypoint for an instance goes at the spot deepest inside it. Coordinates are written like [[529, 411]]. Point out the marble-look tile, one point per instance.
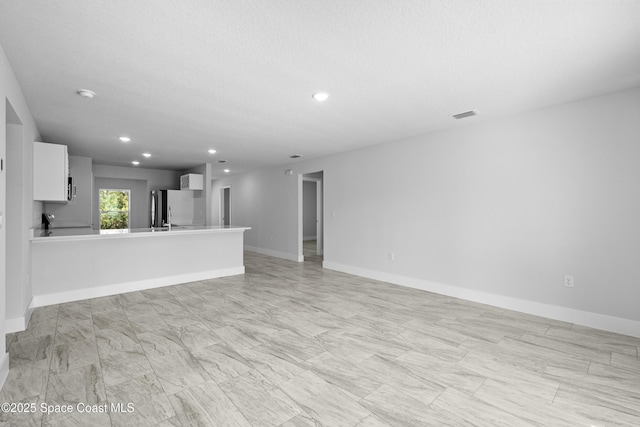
[[600, 408], [70, 331], [365, 337], [527, 382], [150, 404], [21, 419], [347, 376], [624, 379], [334, 344], [395, 373], [460, 408], [178, 370], [78, 419], [49, 312], [74, 311], [258, 400], [338, 307], [206, 405], [472, 329], [272, 362], [30, 350], [602, 380], [522, 354], [170, 422], [146, 321], [441, 373], [179, 319], [605, 342], [39, 328], [113, 319], [345, 348], [373, 421], [168, 305], [221, 362], [399, 409], [161, 341], [437, 331], [82, 385], [575, 350], [236, 338], [117, 340], [301, 420], [295, 345], [623, 361], [103, 304], [121, 366], [131, 299], [196, 335], [433, 346], [74, 355], [527, 406], [25, 382], [324, 402]]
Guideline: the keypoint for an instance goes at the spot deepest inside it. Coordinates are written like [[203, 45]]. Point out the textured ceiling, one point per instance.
[[180, 77]]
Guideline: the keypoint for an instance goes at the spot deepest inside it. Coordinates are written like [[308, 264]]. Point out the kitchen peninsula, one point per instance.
[[75, 264]]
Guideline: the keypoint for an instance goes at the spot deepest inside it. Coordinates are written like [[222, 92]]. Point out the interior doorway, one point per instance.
[[312, 236], [225, 206]]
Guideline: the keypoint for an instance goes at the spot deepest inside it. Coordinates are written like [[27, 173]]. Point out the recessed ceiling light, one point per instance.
[[320, 96], [124, 139], [135, 163], [465, 114], [146, 154], [212, 151], [227, 171], [295, 156], [86, 93]]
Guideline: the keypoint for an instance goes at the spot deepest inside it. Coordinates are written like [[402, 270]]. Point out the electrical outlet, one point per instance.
[[392, 256], [568, 281]]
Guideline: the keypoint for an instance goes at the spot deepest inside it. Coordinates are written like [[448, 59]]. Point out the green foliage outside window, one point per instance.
[[114, 209]]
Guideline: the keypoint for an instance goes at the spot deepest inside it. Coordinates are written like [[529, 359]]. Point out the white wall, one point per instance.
[[493, 211], [202, 198], [80, 209], [268, 201], [11, 94], [139, 200], [130, 177]]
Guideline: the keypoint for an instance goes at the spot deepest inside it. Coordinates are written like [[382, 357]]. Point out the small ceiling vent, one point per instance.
[[296, 156], [465, 114], [222, 161]]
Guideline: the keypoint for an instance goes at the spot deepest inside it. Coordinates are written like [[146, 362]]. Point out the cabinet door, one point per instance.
[[50, 172]]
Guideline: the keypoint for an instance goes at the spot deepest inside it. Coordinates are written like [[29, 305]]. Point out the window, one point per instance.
[[114, 209]]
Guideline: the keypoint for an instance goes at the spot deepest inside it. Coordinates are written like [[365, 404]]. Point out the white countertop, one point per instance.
[[83, 233]]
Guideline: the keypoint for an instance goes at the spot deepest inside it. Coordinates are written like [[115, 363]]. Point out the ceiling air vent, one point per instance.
[[465, 114], [222, 161], [296, 156]]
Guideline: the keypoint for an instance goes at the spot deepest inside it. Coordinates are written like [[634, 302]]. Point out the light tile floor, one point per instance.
[[291, 344]]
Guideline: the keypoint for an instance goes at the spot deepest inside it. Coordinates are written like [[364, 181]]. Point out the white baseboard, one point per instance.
[[277, 254], [565, 314], [4, 369], [15, 324], [141, 285], [19, 324]]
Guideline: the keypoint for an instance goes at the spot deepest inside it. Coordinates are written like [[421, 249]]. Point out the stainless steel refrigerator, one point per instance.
[[176, 205]]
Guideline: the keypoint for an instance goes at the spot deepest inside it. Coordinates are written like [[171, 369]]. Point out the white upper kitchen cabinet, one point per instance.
[[191, 181], [50, 172]]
